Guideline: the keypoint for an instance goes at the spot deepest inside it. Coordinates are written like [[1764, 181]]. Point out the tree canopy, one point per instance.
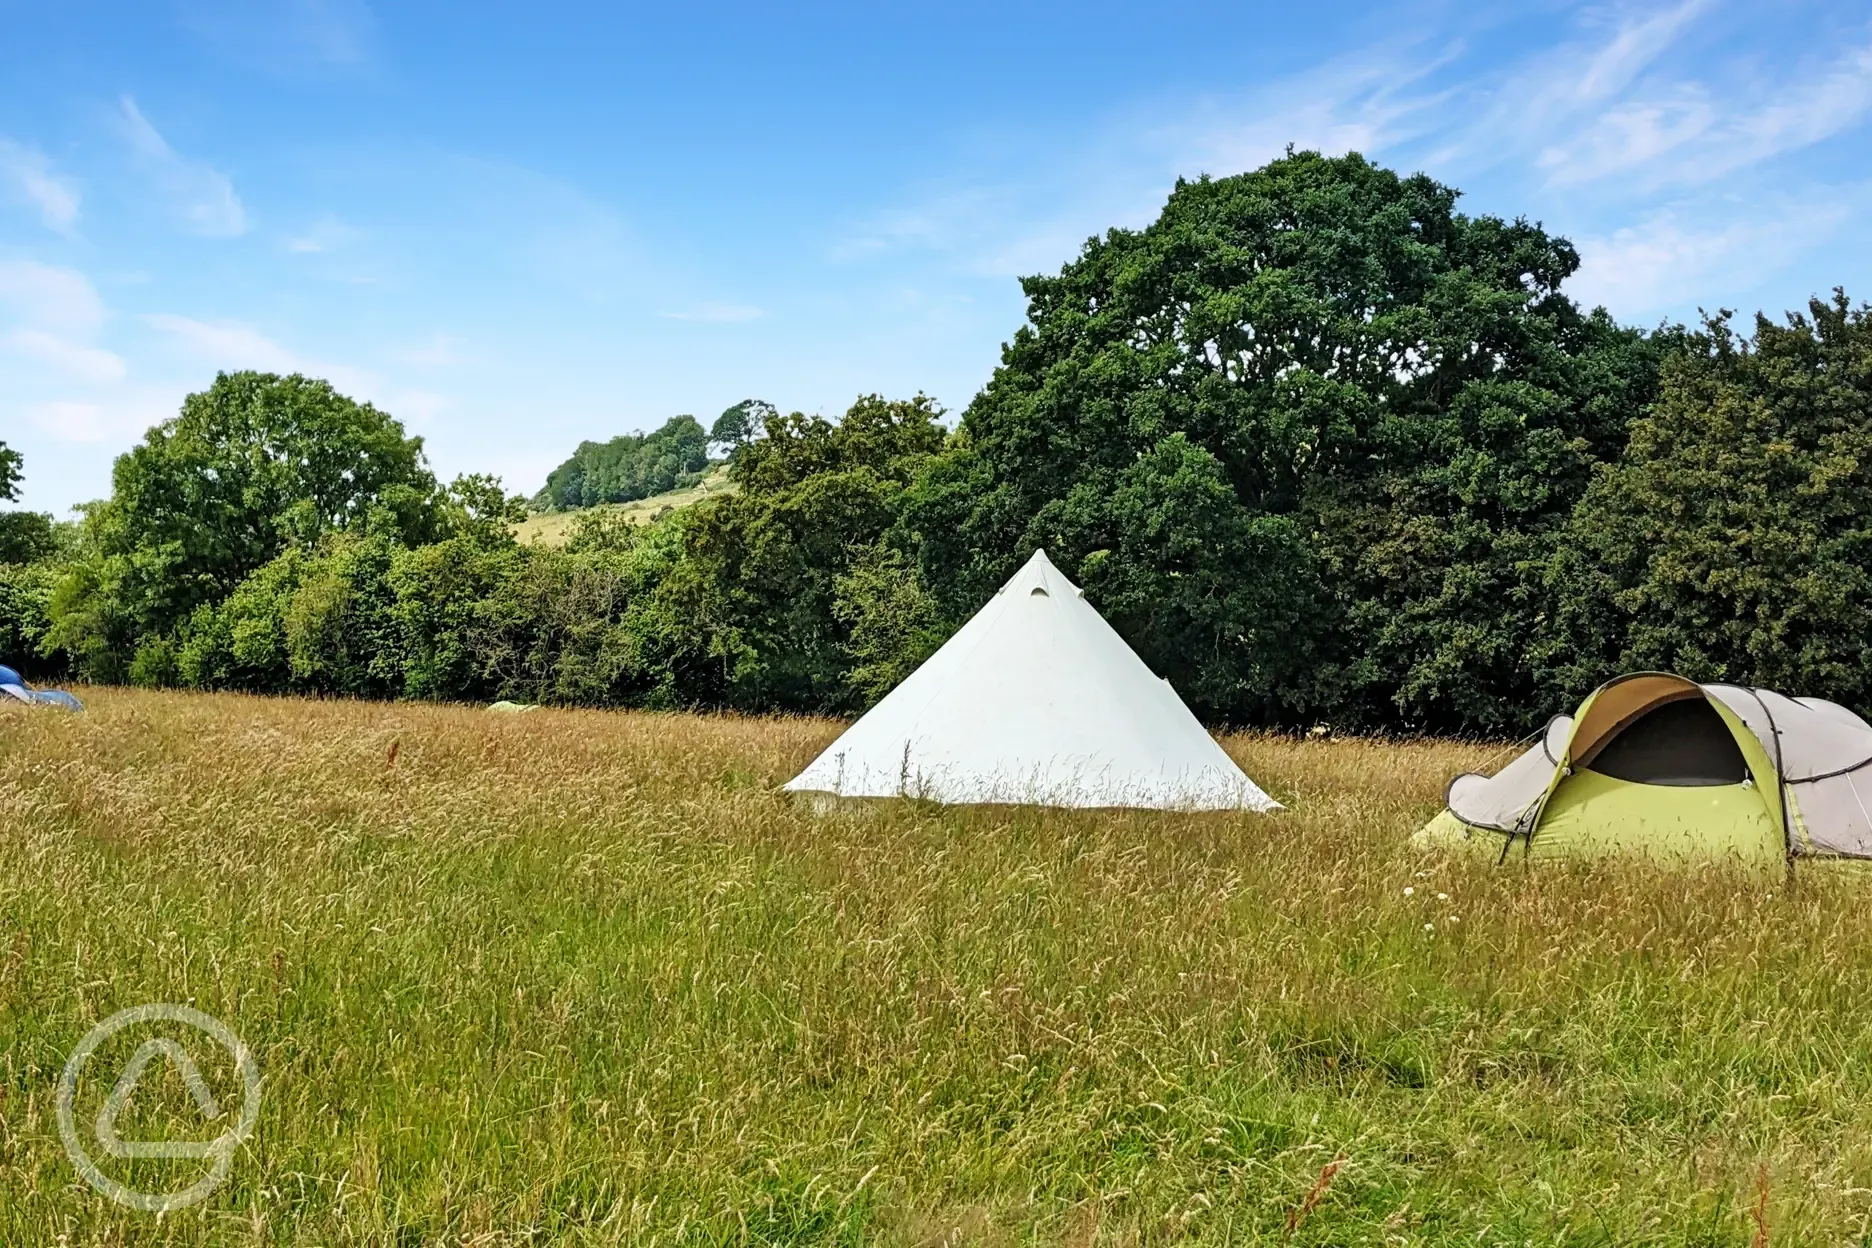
[[767, 566], [1319, 445], [1292, 436], [251, 465], [628, 467], [9, 474], [741, 424], [1733, 541], [28, 540], [25, 536]]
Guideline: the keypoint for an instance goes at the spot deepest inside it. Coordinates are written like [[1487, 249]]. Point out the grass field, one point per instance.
[[552, 528], [586, 978]]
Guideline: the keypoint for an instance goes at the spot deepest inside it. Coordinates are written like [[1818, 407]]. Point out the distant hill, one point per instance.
[[552, 528], [628, 468]]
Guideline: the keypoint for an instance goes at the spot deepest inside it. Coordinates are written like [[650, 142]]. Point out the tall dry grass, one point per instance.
[[586, 978]]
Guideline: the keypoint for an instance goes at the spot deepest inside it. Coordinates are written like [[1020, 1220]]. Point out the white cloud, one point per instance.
[[52, 316], [1688, 131], [46, 297], [117, 414], [1624, 104], [31, 177], [1648, 268], [1036, 216], [1535, 109], [229, 345], [287, 35], [62, 381], [1632, 136], [1634, 45], [1356, 103], [1807, 112], [338, 32], [202, 196], [86, 363], [326, 234], [716, 313]]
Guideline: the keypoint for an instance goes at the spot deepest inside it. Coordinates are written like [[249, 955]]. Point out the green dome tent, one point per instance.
[[1660, 766]]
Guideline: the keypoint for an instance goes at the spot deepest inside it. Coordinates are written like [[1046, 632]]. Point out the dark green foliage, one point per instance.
[[310, 621], [586, 624], [1307, 439], [360, 613], [1318, 445], [25, 615], [27, 536], [9, 474], [894, 622], [254, 464], [29, 545], [763, 569], [742, 423], [627, 468], [1734, 540]]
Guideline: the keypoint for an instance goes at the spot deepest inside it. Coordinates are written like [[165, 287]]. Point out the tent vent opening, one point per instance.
[[1683, 743], [1038, 592]]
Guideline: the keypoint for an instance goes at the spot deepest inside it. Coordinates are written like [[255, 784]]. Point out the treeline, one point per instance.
[[1320, 447], [628, 468]]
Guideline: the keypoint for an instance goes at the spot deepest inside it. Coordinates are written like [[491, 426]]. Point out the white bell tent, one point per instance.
[[1035, 700]]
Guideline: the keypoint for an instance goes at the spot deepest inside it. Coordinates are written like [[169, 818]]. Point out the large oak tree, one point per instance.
[[1307, 439]]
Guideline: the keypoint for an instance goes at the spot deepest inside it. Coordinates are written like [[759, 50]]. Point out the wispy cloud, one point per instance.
[[1037, 213], [62, 380], [327, 233], [74, 359], [51, 317], [120, 412], [716, 313], [1638, 39], [231, 345], [50, 297], [1624, 129], [287, 36], [202, 196], [29, 176], [1508, 115], [228, 345], [1689, 132], [338, 32], [1647, 268]]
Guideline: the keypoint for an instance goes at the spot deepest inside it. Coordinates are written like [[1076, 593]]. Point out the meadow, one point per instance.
[[586, 978]]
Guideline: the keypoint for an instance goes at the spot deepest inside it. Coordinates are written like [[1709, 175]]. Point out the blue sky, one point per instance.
[[516, 227]]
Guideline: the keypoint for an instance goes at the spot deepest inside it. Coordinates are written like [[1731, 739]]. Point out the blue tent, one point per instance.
[[13, 689]]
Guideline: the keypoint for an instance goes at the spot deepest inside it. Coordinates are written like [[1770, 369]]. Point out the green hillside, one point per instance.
[[552, 528]]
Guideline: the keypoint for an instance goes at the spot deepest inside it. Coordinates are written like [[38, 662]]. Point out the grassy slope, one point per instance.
[[577, 977], [554, 527]]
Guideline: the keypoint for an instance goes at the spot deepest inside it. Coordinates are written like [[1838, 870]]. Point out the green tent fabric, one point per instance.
[[1665, 768]]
